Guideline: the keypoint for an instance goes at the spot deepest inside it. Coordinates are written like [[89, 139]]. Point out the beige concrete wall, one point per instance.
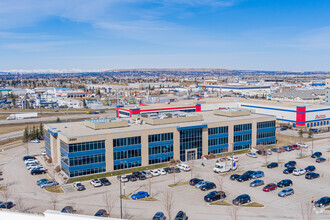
[[205, 142]]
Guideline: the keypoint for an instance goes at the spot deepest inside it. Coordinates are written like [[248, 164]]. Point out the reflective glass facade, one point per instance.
[[266, 133], [127, 152], [242, 136], [190, 139]]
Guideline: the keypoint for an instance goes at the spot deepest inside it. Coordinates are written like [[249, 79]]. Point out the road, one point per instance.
[[11, 135], [187, 198]]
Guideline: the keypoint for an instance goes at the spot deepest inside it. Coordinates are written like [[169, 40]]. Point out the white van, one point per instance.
[[183, 167]]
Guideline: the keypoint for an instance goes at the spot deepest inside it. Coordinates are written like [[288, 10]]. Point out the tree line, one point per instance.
[[33, 132]]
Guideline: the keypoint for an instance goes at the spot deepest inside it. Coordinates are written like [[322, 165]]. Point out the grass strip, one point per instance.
[[54, 189], [220, 202], [179, 184], [254, 204]]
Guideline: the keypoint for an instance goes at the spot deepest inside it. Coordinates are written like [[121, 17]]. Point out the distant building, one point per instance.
[[327, 91]]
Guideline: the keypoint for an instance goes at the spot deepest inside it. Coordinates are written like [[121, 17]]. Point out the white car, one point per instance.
[[183, 167], [123, 179], [147, 173], [251, 155], [154, 172], [35, 141], [34, 166], [298, 172], [233, 158], [96, 182], [43, 153], [302, 145], [78, 186], [162, 171], [31, 161]]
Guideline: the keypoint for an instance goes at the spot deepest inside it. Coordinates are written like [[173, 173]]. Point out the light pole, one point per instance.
[[121, 201]]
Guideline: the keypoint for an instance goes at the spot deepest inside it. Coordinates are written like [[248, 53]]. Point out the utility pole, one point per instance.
[[121, 201]]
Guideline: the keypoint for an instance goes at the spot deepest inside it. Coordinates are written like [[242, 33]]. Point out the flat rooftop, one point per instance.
[[78, 129]]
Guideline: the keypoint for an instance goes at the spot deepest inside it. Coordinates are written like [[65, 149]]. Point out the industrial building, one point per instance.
[[105, 145]]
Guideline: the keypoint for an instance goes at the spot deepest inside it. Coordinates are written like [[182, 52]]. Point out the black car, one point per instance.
[[291, 163], [181, 216], [234, 176], [248, 173], [177, 170], [131, 178], [136, 174], [272, 165], [316, 154], [243, 178], [323, 202], [289, 170], [312, 175], [6, 205], [68, 209], [101, 213], [28, 157], [141, 176], [105, 182], [37, 171], [284, 183], [208, 185], [168, 169], [242, 199], [214, 195], [320, 160], [194, 181], [310, 168]]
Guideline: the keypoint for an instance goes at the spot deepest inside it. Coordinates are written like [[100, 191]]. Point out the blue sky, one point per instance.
[[108, 34]]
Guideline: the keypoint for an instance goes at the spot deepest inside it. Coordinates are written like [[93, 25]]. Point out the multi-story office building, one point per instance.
[[106, 145]]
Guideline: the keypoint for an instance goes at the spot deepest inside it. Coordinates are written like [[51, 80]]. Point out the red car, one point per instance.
[[270, 187], [292, 147], [296, 147], [282, 149]]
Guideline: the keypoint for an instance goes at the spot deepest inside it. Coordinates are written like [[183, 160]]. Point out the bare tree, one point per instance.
[[53, 200], [6, 193], [307, 211], [19, 205], [126, 214], [219, 181], [26, 147], [109, 202], [233, 211], [148, 185], [174, 175], [192, 168], [262, 148], [168, 203]]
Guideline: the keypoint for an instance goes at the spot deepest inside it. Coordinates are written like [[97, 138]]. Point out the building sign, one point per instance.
[[320, 116]]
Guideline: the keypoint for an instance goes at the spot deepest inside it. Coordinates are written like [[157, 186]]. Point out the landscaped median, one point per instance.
[[149, 199], [116, 173], [54, 189], [231, 173], [179, 184], [220, 202], [253, 204], [224, 203]]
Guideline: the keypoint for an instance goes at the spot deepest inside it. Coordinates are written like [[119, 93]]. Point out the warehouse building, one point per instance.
[[105, 145]]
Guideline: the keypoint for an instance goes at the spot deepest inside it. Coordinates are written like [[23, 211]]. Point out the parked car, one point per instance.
[[37, 171], [270, 187], [78, 186], [31, 161], [272, 165], [289, 170], [257, 174], [284, 183], [34, 166], [159, 216], [312, 175], [316, 155], [101, 213], [310, 168], [200, 184], [283, 129], [105, 182], [181, 216], [286, 192], [287, 148], [291, 163], [243, 178], [154, 172], [208, 186], [214, 196], [28, 157], [302, 145], [233, 158], [35, 141], [48, 184], [122, 178], [168, 169], [194, 181], [323, 202], [282, 149], [291, 147], [248, 173], [162, 171], [41, 181], [139, 195], [242, 199], [320, 160], [6, 205], [256, 183], [298, 172], [234, 176], [68, 209], [43, 153], [147, 174], [183, 167], [96, 182], [276, 150], [251, 155], [296, 147], [131, 178]]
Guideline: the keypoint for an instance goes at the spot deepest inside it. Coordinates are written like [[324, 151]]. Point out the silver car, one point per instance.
[[286, 192], [200, 184]]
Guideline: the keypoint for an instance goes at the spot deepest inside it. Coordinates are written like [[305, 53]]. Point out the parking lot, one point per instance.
[[23, 187]]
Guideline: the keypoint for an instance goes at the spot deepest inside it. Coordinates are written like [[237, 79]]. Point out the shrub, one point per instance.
[[58, 169], [50, 160]]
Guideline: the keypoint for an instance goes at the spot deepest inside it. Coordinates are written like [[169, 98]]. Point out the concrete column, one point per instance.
[[176, 145], [144, 150], [205, 146], [230, 138], [109, 155], [254, 134]]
